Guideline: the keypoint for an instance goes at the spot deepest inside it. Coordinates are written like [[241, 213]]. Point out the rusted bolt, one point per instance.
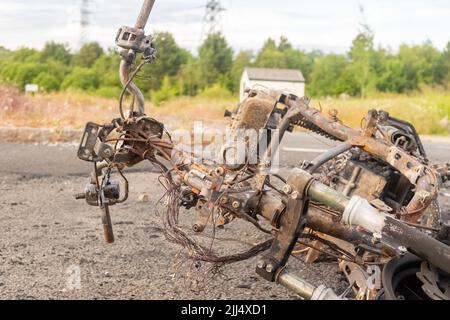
[[261, 264], [270, 268], [333, 113], [219, 171], [236, 204], [287, 189], [402, 250], [80, 196], [224, 200], [295, 195], [108, 152], [265, 165], [144, 198]]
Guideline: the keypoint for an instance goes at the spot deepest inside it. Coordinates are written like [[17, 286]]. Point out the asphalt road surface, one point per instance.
[[61, 160], [51, 245]]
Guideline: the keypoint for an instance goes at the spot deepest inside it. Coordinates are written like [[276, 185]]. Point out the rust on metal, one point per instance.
[[365, 203]]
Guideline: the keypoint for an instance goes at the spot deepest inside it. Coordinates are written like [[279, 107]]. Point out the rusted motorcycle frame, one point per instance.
[[376, 206]]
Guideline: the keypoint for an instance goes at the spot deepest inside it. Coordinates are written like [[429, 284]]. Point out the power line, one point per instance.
[[85, 21], [212, 21]]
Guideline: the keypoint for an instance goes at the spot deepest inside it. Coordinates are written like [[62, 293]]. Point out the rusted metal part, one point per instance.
[[324, 223], [418, 242], [253, 113], [291, 226], [143, 44], [327, 156], [144, 14], [418, 173], [323, 241], [313, 253], [107, 225], [443, 170], [267, 158], [432, 217], [402, 133], [142, 140], [271, 208], [352, 183], [86, 150], [408, 277], [365, 283], [204, 213], [132, 88], [353, 177], [328, 196], [425, 194], [316, 219], [436, 284], [388, 228]]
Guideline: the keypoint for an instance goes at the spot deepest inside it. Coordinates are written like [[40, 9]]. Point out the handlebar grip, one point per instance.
[[80, 196], [107, 225], [144, 14]]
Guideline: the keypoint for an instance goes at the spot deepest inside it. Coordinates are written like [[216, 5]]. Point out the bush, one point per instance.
[[25, 73], [110, 79], [216, 91], [166, 92], [56, 51], [81, 78], [87, 55], [47, 82], [107, 69]]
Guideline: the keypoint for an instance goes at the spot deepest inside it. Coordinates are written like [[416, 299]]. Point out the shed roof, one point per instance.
[[288, 75]]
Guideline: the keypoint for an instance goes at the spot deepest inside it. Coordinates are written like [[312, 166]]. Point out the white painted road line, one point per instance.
[[312, 150], [304, 150], [439, 147]]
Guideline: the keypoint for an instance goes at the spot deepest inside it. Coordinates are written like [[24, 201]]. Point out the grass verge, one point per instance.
[[429, 111]]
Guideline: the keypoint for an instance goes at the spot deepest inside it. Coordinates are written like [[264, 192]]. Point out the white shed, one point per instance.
[[282, 79]]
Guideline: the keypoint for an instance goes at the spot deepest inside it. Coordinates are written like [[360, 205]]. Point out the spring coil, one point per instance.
[[306, 124]]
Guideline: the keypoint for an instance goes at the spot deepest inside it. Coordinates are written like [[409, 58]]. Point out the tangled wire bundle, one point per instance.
[[195, 251]]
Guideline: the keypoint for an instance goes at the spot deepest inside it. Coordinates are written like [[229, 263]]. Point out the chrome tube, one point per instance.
[[304, 289], [146, 9], [132, 87], [128, 58]]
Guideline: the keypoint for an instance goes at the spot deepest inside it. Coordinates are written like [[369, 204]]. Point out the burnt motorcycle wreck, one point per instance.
[[372, 199]]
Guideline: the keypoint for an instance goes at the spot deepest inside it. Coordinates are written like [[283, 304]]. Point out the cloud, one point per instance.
[[323, 24]]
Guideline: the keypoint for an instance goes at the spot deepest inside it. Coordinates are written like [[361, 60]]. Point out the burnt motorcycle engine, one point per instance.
[[357, 173]]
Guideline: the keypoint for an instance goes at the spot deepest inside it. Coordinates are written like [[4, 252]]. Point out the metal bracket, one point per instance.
[[130, 38], [291, 226], [91, 149]]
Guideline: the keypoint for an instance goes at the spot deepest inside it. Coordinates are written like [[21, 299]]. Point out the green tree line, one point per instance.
[[216, 69]]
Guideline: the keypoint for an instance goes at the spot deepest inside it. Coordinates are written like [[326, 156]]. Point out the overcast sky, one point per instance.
[[329, 25]]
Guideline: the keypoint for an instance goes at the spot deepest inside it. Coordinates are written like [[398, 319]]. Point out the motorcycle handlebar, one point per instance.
[[146, 9]]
